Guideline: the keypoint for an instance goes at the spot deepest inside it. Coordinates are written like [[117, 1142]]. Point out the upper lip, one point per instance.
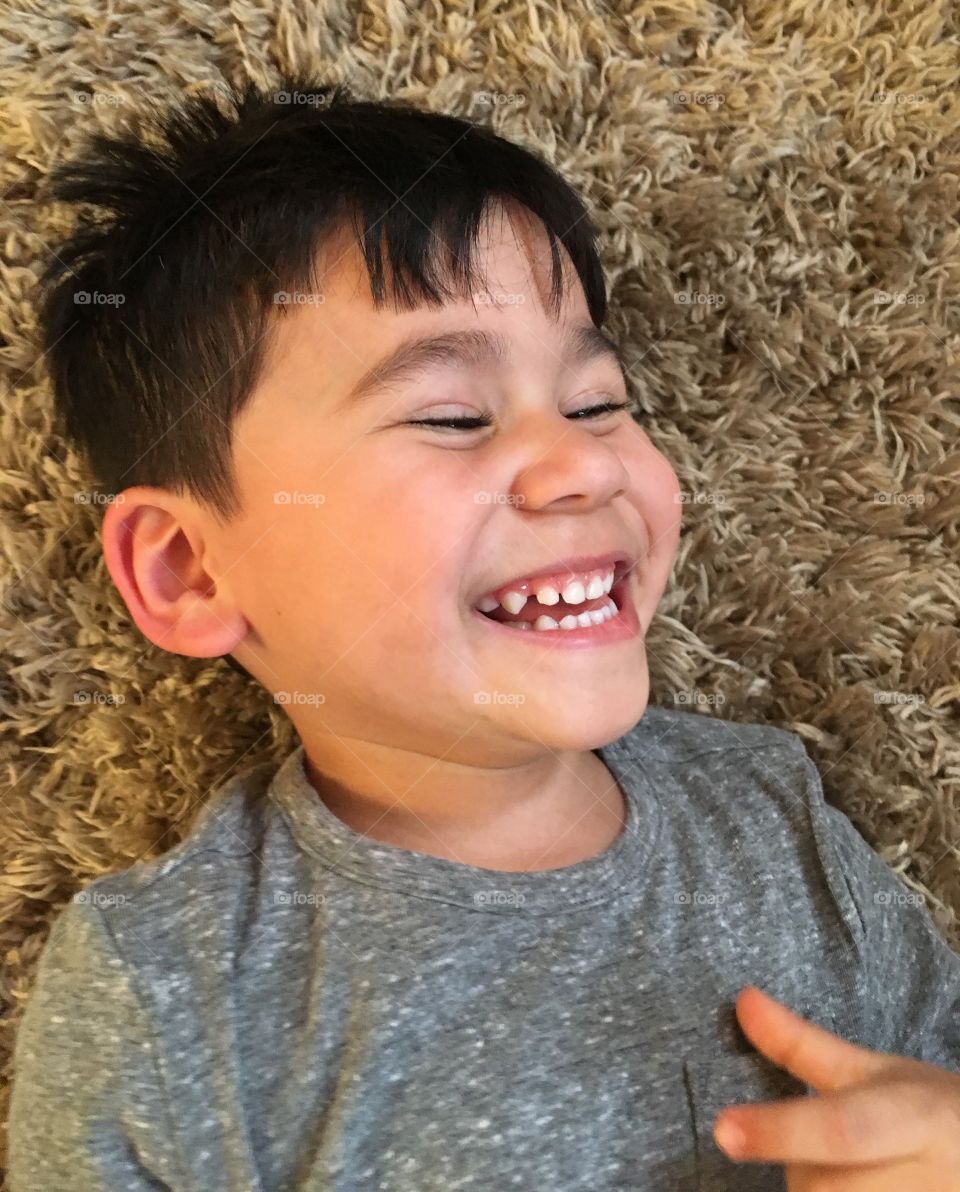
[[620, 560]]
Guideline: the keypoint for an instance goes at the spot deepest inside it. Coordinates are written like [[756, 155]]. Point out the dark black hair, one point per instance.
[[155, 313]]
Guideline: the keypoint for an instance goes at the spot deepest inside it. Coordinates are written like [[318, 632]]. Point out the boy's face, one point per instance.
[[366, 541]]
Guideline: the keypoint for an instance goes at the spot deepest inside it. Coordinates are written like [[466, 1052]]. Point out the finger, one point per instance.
[[866, 1123], [812, 1054], [894, 1176]]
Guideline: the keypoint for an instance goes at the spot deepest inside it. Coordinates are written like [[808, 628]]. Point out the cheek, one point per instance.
[[658, 492], [663, 492], [400, 537], [369, 538]]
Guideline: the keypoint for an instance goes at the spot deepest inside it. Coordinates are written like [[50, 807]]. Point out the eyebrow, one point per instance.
[[470, 348]]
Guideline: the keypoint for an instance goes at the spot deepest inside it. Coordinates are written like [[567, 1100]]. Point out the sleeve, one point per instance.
[[911, 974], [87, 1107]]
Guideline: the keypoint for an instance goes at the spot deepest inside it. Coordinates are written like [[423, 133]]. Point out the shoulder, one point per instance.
[[745, 804], [747, 799], [746, 830], [672, 736], [148, 909], [732, 792]]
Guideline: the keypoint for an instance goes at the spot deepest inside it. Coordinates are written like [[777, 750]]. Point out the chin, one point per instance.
[[587, 727]]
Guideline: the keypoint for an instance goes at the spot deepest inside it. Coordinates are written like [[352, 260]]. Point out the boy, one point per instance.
[[485, 927]]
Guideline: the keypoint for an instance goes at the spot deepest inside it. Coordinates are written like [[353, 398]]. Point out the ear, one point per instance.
[[154, 551]]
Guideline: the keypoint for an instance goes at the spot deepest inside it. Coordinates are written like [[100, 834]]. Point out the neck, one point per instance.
[[557, 811]]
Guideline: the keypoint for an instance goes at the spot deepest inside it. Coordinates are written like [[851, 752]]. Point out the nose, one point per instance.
[[578, 470]]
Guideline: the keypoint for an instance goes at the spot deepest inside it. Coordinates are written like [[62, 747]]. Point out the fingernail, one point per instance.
[[730, 1136]]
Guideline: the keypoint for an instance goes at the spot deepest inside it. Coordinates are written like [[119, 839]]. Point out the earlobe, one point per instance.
[[154, 562]]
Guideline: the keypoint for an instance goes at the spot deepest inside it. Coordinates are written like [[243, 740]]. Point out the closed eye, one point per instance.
[[482, 420]]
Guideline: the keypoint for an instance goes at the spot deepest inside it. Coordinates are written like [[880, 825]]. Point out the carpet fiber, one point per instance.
[[776, 189]]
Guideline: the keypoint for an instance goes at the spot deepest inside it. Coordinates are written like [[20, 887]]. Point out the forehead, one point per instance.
[[338, 331]]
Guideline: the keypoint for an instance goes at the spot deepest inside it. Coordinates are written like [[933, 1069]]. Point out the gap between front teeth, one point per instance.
[[573, 593]]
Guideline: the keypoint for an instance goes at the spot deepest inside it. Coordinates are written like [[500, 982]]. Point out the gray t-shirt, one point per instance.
[[282, 1003]]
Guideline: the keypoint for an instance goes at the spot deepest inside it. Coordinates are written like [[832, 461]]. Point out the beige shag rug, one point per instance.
[[776, 187]]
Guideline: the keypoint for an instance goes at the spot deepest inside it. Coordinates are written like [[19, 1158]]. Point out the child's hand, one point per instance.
[[885, 1123]]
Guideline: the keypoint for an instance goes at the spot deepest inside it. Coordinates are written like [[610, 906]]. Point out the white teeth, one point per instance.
[[585, 619], [573, 593], [513, 602]]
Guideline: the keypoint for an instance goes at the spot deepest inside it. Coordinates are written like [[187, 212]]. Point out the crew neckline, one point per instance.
[[492, 891]]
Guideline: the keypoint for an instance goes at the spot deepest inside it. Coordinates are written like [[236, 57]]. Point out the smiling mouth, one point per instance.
[[557, 613]]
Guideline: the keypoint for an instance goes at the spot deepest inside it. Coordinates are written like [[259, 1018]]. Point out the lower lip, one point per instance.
[[622, 627]]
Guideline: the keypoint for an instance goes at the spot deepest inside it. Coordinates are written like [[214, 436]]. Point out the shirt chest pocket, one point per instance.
[[714, 1082]]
